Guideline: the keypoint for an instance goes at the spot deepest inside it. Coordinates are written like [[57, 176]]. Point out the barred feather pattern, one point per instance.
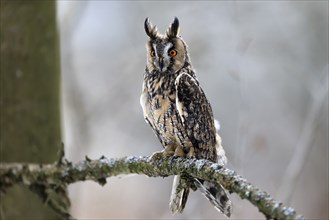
[[214, 192], [178, 111]]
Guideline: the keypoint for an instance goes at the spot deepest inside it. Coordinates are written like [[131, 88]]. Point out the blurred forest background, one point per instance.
[[264, 68]]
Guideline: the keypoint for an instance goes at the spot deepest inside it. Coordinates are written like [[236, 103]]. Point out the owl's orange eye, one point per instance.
[[172, 53], [152, 53]]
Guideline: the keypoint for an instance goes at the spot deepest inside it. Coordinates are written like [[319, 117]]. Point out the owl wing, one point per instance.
[[197, 117]]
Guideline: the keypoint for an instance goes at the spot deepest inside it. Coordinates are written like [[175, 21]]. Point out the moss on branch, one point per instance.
[[59, 175]]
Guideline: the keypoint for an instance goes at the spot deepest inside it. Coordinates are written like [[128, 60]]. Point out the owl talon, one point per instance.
[[167, 152], [191, 153], [156, 155], [179, 152]]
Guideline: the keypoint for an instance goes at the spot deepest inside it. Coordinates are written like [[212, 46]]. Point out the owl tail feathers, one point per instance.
[[179, 195], [216, 194]]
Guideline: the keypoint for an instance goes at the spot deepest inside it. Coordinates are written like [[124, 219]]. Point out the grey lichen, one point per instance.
[[55, 176]]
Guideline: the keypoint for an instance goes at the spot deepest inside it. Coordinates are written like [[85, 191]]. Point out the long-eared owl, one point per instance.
[[179, 113]]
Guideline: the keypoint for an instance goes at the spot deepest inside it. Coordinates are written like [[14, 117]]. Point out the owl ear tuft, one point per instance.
[[173, 28], [150, 30]]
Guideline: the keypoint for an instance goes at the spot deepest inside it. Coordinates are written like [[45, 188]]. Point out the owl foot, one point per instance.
[[167, 152], [176, 151], [179, 152], [191, 153]]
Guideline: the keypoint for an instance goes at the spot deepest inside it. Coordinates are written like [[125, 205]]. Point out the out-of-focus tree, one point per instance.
[[29, 99]]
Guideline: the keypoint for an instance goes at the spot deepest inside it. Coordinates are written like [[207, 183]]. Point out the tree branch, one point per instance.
[[57, 176]]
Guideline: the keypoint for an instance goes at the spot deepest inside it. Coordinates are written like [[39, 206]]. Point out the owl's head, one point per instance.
[[165, 53]]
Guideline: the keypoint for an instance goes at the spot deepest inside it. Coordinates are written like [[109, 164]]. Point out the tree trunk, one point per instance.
[[29, 98]]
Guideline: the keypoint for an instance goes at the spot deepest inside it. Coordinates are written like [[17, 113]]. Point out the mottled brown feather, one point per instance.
[[179, 113]]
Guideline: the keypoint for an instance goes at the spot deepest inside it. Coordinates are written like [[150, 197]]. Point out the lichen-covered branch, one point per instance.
[[57, 176]]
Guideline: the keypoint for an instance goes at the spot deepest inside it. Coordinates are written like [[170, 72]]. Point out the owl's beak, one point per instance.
[[161, 63]]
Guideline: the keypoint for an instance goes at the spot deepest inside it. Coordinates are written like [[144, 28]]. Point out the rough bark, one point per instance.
[[29, 98], [61, 174]]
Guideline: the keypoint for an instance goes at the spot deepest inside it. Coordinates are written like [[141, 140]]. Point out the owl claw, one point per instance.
[[156, 155], [179, 152], [191, 153], [167, 152]]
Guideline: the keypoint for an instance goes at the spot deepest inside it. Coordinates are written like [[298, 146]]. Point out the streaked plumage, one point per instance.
[[179, 113]]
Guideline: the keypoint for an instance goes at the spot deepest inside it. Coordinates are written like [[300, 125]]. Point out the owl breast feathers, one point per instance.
[[179, 113]]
